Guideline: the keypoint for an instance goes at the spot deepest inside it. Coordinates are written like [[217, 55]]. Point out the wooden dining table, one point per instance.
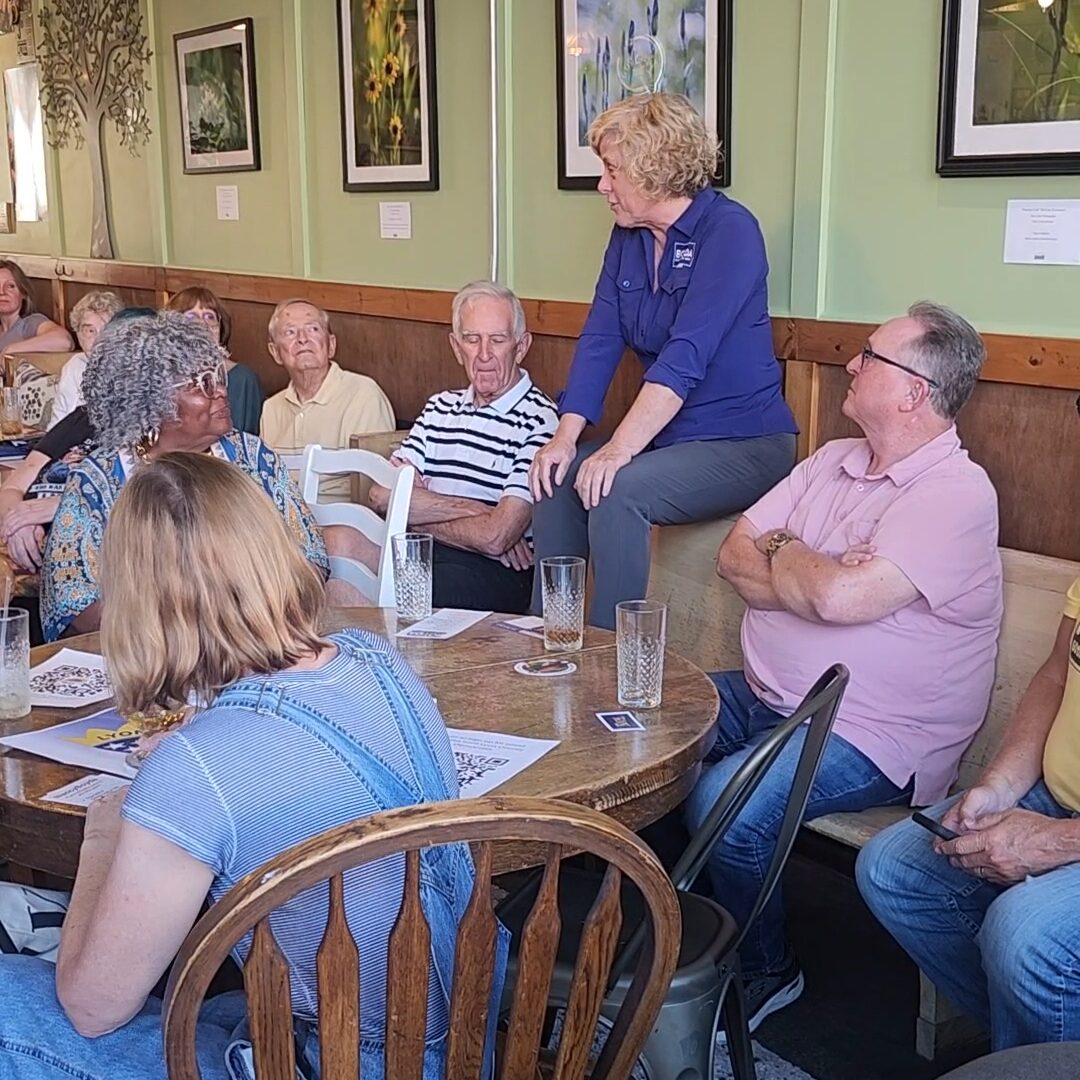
[[635, 776]]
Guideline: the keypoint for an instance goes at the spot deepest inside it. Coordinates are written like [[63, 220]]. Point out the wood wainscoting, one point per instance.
[[1021, 423]]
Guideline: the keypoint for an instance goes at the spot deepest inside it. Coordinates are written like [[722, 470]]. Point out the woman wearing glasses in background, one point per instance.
[[153, 385], [245, 390]]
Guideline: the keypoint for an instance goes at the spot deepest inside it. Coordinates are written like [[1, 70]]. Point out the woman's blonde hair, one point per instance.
[[96, 302], [667, 150], [201, 584]]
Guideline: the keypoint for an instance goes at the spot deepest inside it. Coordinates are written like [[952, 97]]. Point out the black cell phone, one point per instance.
[[933, 826]]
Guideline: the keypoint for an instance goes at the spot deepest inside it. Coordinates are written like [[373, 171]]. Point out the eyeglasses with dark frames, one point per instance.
[[869, 354]]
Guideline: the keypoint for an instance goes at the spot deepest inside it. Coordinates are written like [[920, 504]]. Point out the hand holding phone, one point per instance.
[[933, 826]]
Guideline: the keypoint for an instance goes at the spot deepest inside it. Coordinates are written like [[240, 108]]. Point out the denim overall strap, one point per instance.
[[446, 872]]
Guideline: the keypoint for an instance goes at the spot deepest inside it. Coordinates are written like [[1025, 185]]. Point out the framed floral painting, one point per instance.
[[215, 68], [607, 50], [1009, 100], [388, 116]]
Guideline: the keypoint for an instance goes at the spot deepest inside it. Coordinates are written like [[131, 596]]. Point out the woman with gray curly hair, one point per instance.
[[683, 286], [152, 385]]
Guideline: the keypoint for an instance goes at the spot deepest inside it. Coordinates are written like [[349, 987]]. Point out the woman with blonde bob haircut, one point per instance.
[[683, 285], [207, 599]]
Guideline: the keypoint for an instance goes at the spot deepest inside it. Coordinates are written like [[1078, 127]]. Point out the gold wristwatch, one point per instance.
[[777, 541]]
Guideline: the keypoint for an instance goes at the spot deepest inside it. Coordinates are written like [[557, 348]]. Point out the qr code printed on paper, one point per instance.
[[70, 680], [474, 767]]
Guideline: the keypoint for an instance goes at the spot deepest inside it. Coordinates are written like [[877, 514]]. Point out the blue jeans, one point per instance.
[[1007, 955], [847, 780], [37, 1041]]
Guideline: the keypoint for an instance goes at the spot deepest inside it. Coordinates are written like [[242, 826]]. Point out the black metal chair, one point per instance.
[[707, 985]]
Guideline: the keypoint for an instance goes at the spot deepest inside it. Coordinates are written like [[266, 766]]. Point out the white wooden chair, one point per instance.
[[376, 587]]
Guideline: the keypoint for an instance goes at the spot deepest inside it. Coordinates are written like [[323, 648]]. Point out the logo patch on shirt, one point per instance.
[[682, 257]]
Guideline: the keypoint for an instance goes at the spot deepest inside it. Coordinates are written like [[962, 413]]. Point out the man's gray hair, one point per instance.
[[477, 289], [951, 352], [275, 318], [133, 370]]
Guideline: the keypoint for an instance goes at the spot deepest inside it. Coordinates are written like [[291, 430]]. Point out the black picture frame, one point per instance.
[[197, 161], [572, 176], [956, 85], [357, 175]]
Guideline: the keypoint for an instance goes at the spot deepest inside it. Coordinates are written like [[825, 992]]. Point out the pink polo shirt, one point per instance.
[[921, 677]]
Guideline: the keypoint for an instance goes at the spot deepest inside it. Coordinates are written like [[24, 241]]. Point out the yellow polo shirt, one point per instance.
[[347, 404], [1061, 756]]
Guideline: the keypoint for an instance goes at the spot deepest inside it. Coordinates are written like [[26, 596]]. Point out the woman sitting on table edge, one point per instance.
[[683, 284], [152, 386], [206, 597]]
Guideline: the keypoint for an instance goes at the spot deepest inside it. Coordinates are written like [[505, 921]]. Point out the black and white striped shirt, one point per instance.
[[484, 452]]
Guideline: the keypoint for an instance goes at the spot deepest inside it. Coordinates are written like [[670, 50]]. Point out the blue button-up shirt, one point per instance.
[[703, 332]]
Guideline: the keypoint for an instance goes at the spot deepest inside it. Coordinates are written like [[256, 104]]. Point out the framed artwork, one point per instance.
[[215, 68], [1009, 99], [607, 50], [389, 128]]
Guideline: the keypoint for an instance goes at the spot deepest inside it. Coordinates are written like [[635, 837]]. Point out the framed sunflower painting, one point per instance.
[[388, 119]]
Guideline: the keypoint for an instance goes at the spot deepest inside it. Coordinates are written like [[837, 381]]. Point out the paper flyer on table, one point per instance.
[[85, 790], [101, 742], [486, 759], [445, 623], [68, 679]]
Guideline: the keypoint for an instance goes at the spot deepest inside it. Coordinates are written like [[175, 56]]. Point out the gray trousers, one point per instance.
[[694, 481]]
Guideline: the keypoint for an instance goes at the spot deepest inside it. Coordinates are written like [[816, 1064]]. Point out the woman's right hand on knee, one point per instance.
[[550, 466]]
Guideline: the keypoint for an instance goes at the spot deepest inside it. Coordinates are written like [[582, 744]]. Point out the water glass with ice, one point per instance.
[[14, 663], [412, 575], [640, 634], [562, 579]]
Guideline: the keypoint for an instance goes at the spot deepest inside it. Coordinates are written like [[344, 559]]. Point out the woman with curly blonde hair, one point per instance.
[[683, 285]]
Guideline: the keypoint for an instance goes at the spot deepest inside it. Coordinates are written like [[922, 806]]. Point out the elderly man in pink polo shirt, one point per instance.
[[879, 553]]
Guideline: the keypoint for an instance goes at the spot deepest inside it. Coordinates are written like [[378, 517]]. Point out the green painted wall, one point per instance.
[[451, 227], [897, 232], [262, 239], [833, 149]]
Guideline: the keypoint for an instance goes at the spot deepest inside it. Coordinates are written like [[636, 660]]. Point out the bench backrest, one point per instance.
[[705, 615]]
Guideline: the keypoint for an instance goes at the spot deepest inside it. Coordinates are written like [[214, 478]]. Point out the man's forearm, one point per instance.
[[749, 574], [1018, 764], [492, 533], [428, 508], [800, 577]]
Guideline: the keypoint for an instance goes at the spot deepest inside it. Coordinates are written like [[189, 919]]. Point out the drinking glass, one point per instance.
[[640, 633], [412, 575], [10, 411], [14, 663], [562, 579]]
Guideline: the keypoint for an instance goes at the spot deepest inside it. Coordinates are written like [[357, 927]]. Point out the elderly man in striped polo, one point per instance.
[[472, 449]]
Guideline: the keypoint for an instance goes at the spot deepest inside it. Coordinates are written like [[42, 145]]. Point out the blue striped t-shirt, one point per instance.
[[234, 788]]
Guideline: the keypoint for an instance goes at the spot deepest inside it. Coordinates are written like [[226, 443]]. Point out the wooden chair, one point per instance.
[[560, 828], [375, 585]]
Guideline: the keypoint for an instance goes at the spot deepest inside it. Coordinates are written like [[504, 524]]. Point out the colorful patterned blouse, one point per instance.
[[69, 571]]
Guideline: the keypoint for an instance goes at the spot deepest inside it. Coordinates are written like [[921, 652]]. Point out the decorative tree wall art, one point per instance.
[[93, 58]]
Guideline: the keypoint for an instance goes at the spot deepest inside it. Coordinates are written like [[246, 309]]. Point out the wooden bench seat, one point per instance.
[[705, 614]]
